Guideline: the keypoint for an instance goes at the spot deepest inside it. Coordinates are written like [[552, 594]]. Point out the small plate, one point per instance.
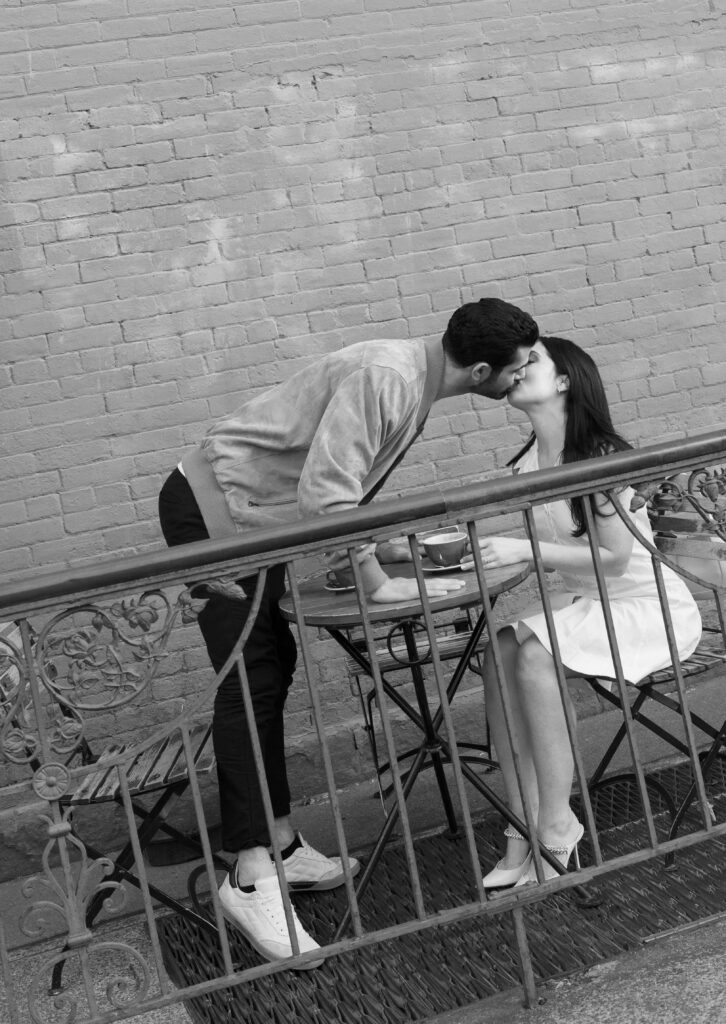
[[444, 568], [336, 589]]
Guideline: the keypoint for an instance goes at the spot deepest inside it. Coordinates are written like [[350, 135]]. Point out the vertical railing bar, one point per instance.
[[445, 710], [266, 801], [198, 806], [525, 958], [88, 981], [503, 689], [73, 907], [34, 680], [325, 749], [261, 774], [617, 665], [164, 983], [719, 595], [388, 737], [11, 1000], [73, 915], [685, 713], [562, 685]]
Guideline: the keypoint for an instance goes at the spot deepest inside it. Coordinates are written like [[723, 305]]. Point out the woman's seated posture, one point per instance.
[[564, 398]]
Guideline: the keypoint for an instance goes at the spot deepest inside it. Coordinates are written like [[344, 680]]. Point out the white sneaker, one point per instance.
[[308, 870], [260, 916]]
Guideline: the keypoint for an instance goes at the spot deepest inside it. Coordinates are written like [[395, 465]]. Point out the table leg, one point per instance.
[[432, 741], [383, 837]]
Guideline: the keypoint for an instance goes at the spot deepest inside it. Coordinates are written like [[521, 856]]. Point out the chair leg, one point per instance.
[[712, 754], [617, 740]]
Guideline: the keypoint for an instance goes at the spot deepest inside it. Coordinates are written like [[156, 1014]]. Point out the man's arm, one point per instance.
[[366, 410]]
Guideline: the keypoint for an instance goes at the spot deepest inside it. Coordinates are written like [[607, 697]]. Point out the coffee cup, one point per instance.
[[446, 547]]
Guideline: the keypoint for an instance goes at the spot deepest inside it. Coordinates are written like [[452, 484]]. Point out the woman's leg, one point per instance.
[[549, 741], [517, 850]]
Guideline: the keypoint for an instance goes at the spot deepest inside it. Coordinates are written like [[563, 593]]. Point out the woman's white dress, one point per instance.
[[637, 617]]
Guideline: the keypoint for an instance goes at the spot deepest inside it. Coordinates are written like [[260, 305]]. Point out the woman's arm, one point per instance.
[[614, 542]]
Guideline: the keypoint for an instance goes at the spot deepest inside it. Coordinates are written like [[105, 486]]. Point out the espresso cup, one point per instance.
[[446, 547]]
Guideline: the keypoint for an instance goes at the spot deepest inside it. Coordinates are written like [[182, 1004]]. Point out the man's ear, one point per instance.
[[480, 372]]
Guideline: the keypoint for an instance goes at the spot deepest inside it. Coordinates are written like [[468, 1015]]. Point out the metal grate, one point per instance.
[[417, 976]]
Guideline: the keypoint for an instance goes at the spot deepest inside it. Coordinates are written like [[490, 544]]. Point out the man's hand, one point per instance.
[[397, 549], [399, 589], [497, 552]]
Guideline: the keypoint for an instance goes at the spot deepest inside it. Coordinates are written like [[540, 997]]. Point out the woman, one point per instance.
[[563, 396]]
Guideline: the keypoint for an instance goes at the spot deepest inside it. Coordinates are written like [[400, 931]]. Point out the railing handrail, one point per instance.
[[503, 494]]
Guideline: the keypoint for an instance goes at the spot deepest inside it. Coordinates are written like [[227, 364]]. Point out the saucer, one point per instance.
[[432, 567], [336, 589]]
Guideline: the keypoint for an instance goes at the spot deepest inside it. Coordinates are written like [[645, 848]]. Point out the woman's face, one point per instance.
[[541, 383]]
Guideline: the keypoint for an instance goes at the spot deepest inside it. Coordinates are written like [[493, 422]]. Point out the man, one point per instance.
[[321, 442]]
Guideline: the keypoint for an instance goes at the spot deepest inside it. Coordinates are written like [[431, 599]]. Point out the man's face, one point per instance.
[[497, 385]]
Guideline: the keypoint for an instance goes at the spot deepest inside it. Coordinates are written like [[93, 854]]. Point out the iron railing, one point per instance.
[[90, 654]]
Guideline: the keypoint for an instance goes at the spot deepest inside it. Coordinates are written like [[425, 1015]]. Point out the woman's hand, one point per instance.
[[398, 589], [497, 552]]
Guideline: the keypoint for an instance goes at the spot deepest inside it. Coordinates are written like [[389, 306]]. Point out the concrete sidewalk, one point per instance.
[[678, 978]]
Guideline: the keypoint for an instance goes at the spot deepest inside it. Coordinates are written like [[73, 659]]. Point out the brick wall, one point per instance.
[[199, 195]]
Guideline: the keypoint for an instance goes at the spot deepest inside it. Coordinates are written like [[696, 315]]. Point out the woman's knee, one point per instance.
[[506, 641], [533, 661]]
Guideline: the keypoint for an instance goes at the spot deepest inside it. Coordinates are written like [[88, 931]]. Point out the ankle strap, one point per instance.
[[511, 833]]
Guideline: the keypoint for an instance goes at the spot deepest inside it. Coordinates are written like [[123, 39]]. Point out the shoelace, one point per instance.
[[310, 851], [275, 910]]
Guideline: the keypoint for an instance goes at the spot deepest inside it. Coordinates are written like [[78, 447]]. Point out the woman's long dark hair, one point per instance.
[[589, 430]]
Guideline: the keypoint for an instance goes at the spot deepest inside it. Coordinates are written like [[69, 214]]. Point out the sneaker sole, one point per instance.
[[321, 886], [264, 953]]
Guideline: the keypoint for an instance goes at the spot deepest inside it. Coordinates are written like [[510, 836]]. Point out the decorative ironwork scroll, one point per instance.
[[702, 492], [92, 658], [63, 892]]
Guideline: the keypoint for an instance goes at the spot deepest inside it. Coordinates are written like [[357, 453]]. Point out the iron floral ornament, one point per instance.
[[68, 889], [92, 659]]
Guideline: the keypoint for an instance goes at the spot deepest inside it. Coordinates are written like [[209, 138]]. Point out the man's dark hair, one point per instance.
[[488, 331]]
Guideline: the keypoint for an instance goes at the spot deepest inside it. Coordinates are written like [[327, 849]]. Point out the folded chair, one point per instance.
[[156, 775], [688, 516]]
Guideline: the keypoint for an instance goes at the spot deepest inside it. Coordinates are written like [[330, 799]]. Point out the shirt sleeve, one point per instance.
[[361, 416]]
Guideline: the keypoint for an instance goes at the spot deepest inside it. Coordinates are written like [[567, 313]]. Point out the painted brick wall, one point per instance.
[[199, 195]]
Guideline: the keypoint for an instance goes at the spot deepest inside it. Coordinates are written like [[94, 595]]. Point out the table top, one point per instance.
[[340, 609]]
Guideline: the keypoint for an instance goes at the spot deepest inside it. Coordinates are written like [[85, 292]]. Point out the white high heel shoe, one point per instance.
[[502, 878], [562, 853]]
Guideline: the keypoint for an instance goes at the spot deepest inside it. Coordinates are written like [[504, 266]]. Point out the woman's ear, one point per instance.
[[563, 384]]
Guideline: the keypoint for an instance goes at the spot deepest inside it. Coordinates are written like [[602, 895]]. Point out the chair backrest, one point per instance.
[[688, 516], [88, 680]]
